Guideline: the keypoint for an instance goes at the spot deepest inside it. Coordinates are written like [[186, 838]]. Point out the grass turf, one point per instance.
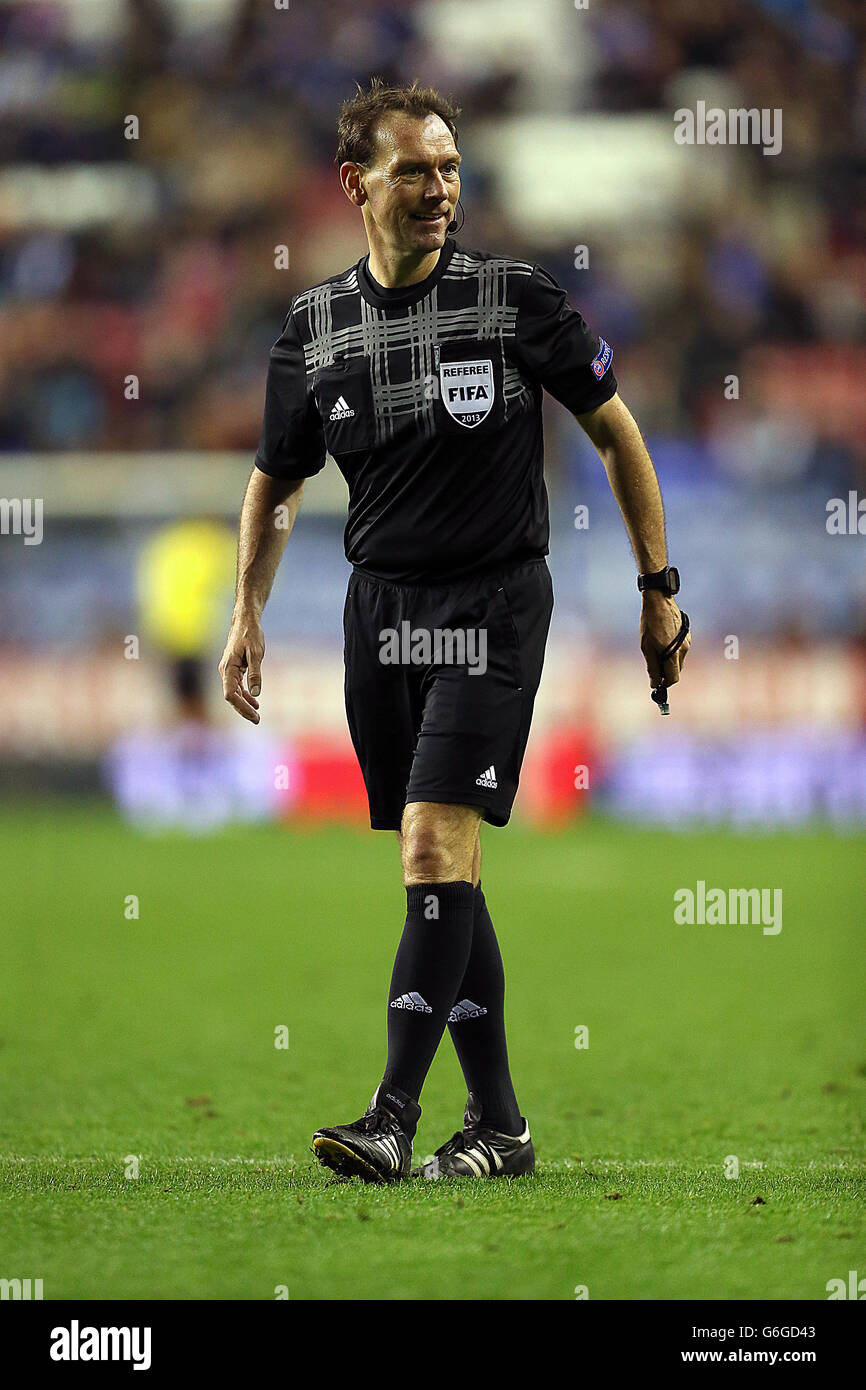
[[154, 1037]]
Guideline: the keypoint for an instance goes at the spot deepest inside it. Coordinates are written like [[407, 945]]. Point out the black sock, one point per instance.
[[479, 1037], [430, 963]]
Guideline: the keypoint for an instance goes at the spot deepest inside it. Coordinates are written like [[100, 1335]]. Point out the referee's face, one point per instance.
[[411, 186]]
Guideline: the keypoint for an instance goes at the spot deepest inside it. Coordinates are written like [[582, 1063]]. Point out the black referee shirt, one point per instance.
[[429, 399]]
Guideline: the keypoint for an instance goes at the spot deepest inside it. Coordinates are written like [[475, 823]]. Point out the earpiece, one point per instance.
[[454, 225]]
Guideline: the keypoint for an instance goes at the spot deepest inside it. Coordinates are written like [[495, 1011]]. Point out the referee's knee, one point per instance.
[[429, 863], [438, 843]]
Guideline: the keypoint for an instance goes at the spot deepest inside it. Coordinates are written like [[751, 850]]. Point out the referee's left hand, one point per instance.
[[660, 622]]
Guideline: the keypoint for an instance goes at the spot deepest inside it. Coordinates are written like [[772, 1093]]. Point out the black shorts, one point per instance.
[[440, 686]]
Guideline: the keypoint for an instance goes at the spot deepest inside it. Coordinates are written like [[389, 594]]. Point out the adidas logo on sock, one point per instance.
[[413, 1002], [488, 778], [465, 1009], [341, 410]]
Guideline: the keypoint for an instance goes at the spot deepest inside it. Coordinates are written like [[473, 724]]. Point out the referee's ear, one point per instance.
[[350, 178]]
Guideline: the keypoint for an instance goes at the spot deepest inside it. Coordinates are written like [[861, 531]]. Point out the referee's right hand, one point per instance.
[[244, 651]]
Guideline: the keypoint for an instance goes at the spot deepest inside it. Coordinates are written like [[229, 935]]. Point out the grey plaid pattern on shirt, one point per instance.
[[476, 298]]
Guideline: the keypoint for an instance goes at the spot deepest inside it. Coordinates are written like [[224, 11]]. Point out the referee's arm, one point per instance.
[[634, 484], [261, 543]]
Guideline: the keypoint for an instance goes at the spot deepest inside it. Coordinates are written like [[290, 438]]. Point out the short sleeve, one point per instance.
[[555, 347], [292, 444]]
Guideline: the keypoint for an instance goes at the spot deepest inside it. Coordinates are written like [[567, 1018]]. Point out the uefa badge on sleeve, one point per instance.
[[467, 390], [603, 359]]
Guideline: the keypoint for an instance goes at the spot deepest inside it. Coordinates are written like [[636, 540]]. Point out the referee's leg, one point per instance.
[[438, 847], [435, 845]]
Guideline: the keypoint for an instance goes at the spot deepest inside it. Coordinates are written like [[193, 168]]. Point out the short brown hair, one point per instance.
[[360, 115]]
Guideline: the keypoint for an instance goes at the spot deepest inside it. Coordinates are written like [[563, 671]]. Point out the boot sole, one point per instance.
[[336, 1156]]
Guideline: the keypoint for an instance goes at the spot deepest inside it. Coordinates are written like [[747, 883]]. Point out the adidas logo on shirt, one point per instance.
[[413, 1002], [465, 1009], [488, 778], [342, 409]]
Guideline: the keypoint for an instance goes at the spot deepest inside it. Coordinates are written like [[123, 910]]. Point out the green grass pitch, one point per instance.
[[154, 1037]]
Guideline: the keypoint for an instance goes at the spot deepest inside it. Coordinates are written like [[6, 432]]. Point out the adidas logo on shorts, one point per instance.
[[487, 779], [465, 1009], [342, 409], [413, 1002]]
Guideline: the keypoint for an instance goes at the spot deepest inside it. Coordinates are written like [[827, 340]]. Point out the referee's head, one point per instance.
[[399, 163]]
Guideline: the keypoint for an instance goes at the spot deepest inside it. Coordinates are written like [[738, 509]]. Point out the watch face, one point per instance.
[[669, 586]]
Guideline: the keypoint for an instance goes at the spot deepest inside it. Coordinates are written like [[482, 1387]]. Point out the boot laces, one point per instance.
[[377, 1120]]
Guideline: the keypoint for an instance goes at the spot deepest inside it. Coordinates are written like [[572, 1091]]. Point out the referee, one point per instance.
[[421, 371]]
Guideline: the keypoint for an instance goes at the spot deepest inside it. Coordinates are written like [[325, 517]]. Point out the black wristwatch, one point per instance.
[[667, 581]]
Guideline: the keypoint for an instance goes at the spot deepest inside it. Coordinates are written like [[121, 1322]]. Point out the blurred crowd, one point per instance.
[[154, 256]]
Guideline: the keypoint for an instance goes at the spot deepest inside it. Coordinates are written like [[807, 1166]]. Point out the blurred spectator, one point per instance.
[[185, 577]]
